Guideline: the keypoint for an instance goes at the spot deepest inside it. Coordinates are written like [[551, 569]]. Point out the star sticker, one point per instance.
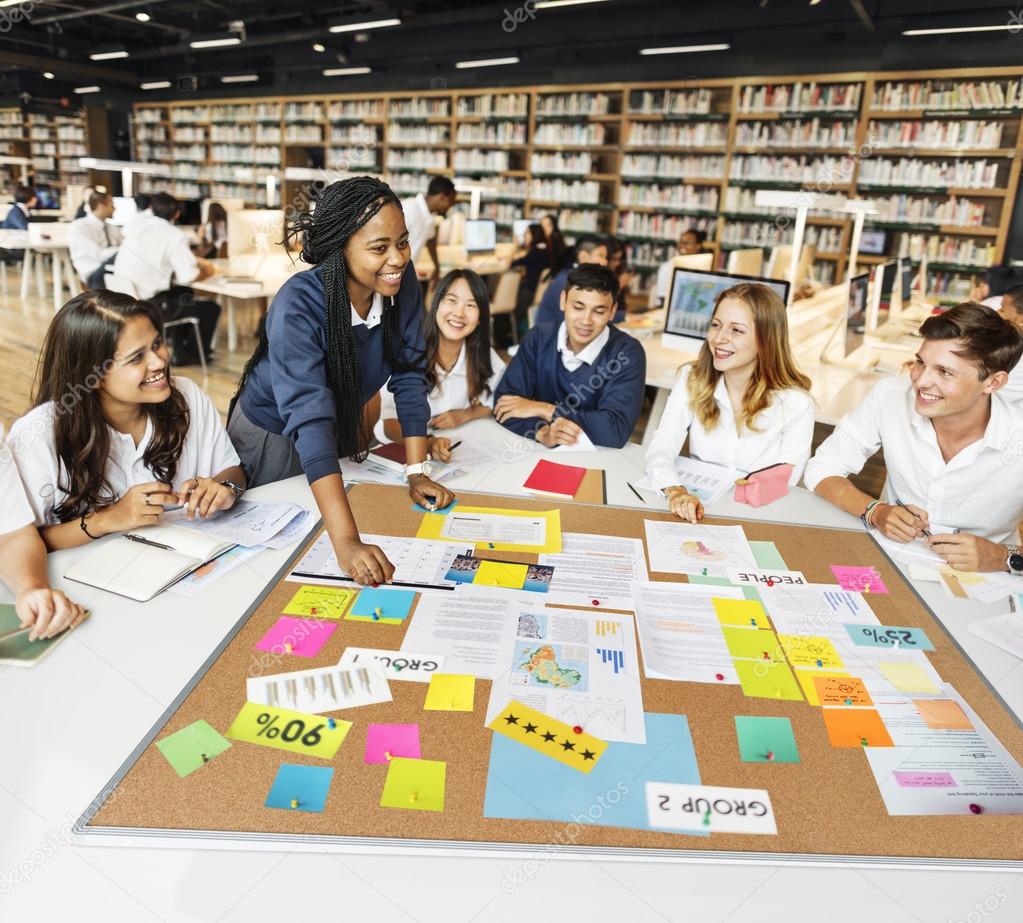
[[568, 745], [530, 729], [511, 719], [548, 736], [588, 754]]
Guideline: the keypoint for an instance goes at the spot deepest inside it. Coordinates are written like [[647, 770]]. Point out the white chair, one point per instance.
[[506, 297], [746, 262]]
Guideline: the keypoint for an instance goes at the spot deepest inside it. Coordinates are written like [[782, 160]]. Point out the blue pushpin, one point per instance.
[[753, 622], [820, 663], [331, 723], [490, 544]]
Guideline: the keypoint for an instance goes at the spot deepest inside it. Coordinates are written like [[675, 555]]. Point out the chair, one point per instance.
[[781, 261], [506, 297], [746, 262]]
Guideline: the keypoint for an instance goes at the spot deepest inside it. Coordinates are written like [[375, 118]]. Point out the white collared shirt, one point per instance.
[[979, 491], [155, 254], [1013, 390], [134, 224], [783, 434], [376, 313], [587, 355], [206, 451], [91, 241], [450, 393], [420, 223], [14, 510]]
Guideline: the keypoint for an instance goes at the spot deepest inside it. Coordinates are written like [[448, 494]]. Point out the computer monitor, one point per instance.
[[873, 242], [691, 301], [191, 212], [47, 198], [519, 228], [124, 210], [480, 236], [856, 312], [886, 275]]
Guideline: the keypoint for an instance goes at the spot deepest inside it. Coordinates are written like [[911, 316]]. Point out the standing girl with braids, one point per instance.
[[333, 335]]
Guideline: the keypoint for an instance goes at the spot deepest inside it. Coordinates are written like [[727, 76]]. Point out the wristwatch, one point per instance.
[[235, 488], [1014, 560], [424, 468]]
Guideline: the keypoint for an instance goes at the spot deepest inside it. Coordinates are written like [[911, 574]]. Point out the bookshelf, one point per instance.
[[938, 152]]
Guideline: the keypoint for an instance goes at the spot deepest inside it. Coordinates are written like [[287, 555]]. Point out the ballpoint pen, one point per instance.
[[914, 515]]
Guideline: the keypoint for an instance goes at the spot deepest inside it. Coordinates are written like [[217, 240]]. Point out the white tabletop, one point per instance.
[[72, 720]]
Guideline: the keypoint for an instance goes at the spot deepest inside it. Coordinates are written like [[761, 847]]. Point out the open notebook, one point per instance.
[[143, 563]]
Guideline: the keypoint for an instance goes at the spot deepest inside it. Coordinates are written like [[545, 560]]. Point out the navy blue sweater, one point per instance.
[[289, 392], [605, 398]]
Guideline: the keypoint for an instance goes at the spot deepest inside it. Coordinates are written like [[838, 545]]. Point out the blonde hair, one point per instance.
[[775, 368]]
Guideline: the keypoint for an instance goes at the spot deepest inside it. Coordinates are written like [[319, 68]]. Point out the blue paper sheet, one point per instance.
[[300, 788]]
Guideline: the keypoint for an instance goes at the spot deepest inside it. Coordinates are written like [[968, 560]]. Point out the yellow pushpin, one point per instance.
[[294, 802], [413, 797], [288, 647], [387, 755]]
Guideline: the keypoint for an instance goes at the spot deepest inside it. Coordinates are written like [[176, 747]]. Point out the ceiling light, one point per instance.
[[48, 75], [155, 85], [554, 4], [360, 26], [240, 78], [215, 41], [319, 47], [685, 49], [109, 55], [346, 71], [82, 90], [814, 2], [1010, 26], [485, 62], [142, 16]]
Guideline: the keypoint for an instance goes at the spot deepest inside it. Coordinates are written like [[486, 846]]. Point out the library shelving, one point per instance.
[[53, 142]]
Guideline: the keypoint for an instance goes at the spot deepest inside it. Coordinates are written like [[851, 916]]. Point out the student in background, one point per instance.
[[579, 375], [557, 249], [213, 233], [1012, 311], [533, 263], [112, 438], [617, 264], [143, 212], [996, 282], [462, 369], [333, 336], [93, 242], [690, 242], [950, 442], [743, 402], [83, 206], [24, 201], [588, 249], [419, 211], [23, 560]]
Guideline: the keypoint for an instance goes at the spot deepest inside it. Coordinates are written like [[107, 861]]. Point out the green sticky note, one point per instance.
[[752, 643], [767, 556], [748, 592], [416, 785], [764, 679], [192, 747], [765, 740]]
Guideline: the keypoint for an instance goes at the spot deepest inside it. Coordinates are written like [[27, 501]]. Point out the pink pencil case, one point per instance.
[[764, 486]]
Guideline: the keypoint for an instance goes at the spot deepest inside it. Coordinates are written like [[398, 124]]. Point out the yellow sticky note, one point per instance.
[[549, 736], [321, 602], [807, 651], [908, 677], [468, 523], [293, 731], [502, 574], [417, 785], [965, 577], [752, 643], [767, 680], [745, 612], [451, 692], [806, 680]]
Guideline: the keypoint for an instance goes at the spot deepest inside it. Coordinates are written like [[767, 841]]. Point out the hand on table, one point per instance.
[[899, 523], [428, 494], [560, 432], [141, 505], [969, 552], [684, 505], [450, 419], [49, 612], [205, 497], [511, 407]]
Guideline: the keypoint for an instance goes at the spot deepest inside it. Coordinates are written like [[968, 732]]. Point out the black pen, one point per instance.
[[636, 492], [914, 515], [455, 446], [145, 541]]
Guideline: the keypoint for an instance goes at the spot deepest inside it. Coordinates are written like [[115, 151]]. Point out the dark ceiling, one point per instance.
[[597, 42]]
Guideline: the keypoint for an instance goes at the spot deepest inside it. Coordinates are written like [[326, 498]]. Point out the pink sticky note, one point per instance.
[[858, 579], [301, 637], [924, 779], [390, 740]]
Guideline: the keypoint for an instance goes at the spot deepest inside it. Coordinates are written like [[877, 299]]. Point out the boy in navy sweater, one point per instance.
[[577, 376]]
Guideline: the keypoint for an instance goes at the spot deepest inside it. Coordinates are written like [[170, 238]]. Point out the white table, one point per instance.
[[49, 238], [71, 721]]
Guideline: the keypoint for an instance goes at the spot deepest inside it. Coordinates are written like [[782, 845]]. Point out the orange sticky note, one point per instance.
[[943, 714], [838, 690], [856, 727], [807, 680]]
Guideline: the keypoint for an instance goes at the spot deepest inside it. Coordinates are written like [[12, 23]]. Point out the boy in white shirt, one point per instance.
[[952, 445]]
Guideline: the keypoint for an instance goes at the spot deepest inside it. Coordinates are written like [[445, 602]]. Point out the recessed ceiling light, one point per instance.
[[155, 85], [485, 62], [317, 46], [87, 89], [346, 71], [215, 41], [142, 16], [685, 49], [240, 78], [108, 55], [360, 26], [1010, 26], [554, 4], [48, 75]]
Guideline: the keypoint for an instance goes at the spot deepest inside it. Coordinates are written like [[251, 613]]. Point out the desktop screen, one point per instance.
[[906, 280], [47, 198], [480, 236], [191, 212], [694, 293], [519, 228], [873, 242], [856, 312], [887, 275], [124, 210]]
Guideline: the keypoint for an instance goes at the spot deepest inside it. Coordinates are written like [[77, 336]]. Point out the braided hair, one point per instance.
[[342, 209]]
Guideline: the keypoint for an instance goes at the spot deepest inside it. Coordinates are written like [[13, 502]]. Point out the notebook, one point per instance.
[[19, 651], [549, 479], [391, 455], [145, 562]]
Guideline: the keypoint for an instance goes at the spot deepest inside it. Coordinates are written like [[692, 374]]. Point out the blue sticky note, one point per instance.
[[523, 784], [393, 606], [888, 636], [443, 510], [300, 788]]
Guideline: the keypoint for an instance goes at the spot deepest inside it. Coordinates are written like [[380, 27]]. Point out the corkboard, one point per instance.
[[827, 805]]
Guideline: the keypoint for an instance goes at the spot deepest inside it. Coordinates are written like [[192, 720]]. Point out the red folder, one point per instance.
[[553, 480]]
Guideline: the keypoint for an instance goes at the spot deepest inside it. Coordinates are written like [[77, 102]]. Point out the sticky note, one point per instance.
[[837, 691], [908, 677], [299, 637], [394, 606], [451, 692], [745, 612], [765, 740], [549, 736], [441, 511], [752, 643], [855, 727], [186, 748], [283, 729], [924, 779], [767, 556], [501, 574], [384, 742], [806, 679], [810, 651], [943, 714], [767, 680], [417, 785], [858, 579], [891, 637], [300, 788], [321, 602]]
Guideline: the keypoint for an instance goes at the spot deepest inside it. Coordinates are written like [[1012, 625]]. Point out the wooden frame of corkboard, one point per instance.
[[827, 806]]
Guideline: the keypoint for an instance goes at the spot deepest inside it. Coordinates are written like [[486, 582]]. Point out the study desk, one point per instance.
[[72, 720], [49, 238]]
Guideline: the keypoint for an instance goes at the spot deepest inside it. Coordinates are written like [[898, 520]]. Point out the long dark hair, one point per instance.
[[342, 209], [77, 352], [477, 344], [557, 249]]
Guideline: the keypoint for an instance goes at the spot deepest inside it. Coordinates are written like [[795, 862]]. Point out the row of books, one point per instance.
[[670, 102], [672, 166], [418, 159], [959, 212], [491, 133], [800, 96], [910, 171], [791, 168], [963, 251], [571, 164], [400, 132], [573, 104], [355, 134], [938, 133], [303, 134], [512, 105], [575, 192], [665, 227], [949, 94], [808, 133], [740, 199], [419, 108], [571, 134], [572, 220], [475, 159], [684, 134], [501, 212], [701, 198], [261, 112]]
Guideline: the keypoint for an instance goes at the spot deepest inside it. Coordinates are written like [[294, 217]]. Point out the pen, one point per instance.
[[455, 446], [914, 515], [146, 541], [636, 492]]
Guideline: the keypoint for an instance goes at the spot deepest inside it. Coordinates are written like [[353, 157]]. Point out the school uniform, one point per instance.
[[17, 218], [15, 513], [979, 490], [285, 420], [92, 244], [550, 311], [206, 451], [419, 221], [600, 387], [450, 393], [783, 433]]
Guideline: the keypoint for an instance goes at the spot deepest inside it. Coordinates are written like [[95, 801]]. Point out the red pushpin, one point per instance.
[[767, 656], [719, 676], [312, 611], [596, 602], [770, 582], [976, 809], [577, 729], [770, 756]]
